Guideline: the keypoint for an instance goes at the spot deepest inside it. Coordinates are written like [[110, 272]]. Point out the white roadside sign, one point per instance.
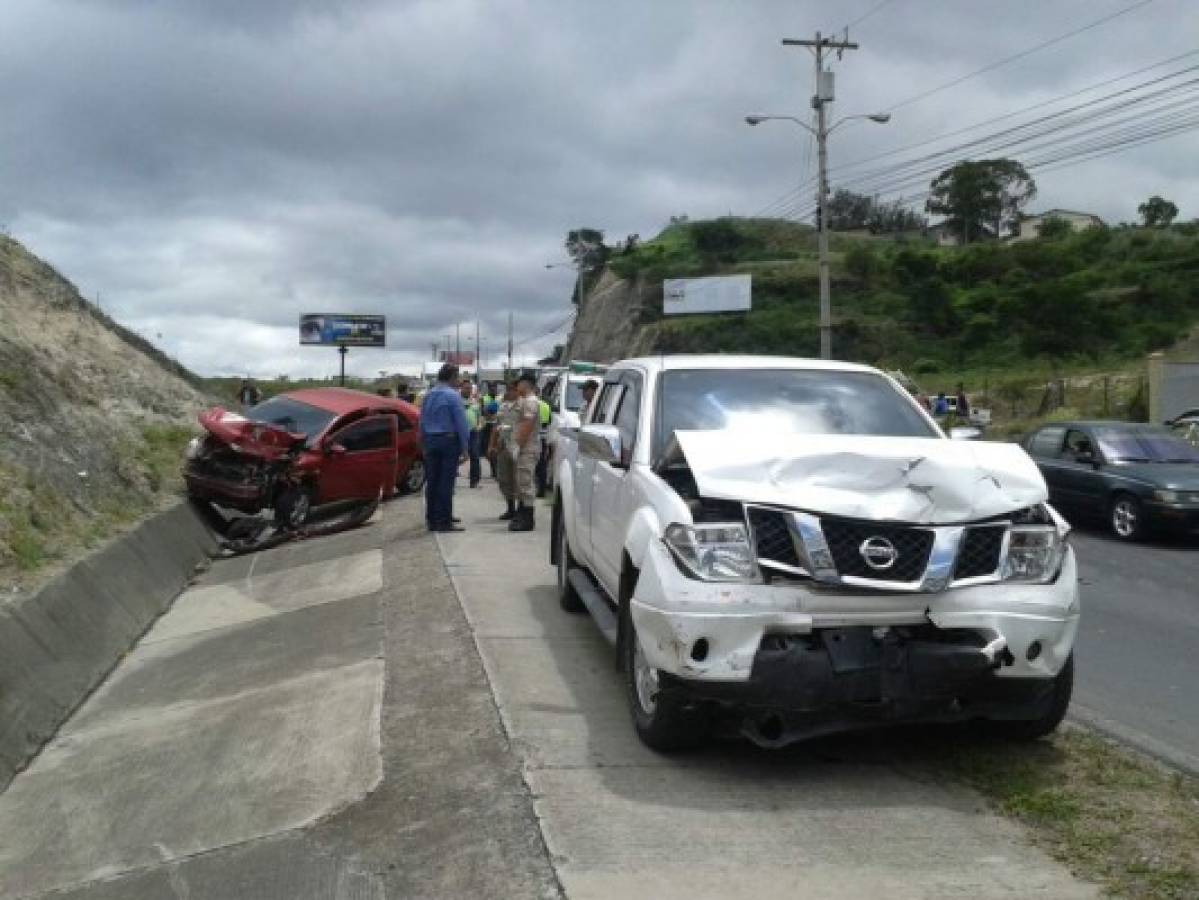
[[725, 293]]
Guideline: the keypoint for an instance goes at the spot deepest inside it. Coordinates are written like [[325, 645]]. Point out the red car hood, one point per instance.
[[244, 436]]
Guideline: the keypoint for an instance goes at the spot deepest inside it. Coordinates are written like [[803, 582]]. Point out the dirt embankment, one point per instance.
[[613, 321], [92, 420]]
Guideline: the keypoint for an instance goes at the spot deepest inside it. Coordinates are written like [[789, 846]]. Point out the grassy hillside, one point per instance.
[[92, 422], [1099, 298]]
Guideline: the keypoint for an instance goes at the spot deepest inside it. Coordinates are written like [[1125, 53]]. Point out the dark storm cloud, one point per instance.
[[216, 167]]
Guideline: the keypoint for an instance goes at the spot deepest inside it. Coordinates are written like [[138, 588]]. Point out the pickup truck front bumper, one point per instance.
[[798, 645]]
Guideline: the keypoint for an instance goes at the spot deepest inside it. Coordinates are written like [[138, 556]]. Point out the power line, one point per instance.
[[983, 122], [544, 334], [866, 15], [990, 67], [1021, 134], [790, 197], [919, 169]]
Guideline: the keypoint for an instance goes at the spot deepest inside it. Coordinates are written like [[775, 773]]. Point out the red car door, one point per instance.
[[359, 460], [409, 444]]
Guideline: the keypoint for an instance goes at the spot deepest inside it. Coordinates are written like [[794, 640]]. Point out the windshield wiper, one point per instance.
[[1132, 459]]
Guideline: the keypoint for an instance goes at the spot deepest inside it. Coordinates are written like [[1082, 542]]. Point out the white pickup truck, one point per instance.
[[783, 547]]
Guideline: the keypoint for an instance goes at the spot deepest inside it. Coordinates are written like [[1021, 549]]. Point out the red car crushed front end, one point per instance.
[[242, 464]]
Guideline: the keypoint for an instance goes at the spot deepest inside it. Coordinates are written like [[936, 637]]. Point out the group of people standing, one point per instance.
[[459, 425]]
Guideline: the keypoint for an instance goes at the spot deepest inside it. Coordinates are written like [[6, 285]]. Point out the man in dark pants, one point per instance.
[[445, 437], [473, 422]]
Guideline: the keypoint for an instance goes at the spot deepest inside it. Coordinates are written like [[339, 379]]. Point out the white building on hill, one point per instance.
[[1030, 226]]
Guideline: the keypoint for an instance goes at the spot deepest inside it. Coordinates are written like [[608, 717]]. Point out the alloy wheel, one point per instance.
[[1124, 518]]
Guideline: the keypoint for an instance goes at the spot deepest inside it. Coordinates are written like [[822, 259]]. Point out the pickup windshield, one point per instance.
[[293, 416], [786, 401]]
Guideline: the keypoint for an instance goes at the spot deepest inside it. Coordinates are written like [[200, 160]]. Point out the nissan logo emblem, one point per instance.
[[878, 553]]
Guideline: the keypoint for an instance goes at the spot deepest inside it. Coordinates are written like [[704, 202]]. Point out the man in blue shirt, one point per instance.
[[445, 436]]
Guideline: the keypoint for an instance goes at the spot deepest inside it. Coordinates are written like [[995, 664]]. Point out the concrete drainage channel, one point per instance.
[[57, 645]]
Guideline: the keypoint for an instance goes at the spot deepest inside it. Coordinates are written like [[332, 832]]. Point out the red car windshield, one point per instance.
[[293, 416]]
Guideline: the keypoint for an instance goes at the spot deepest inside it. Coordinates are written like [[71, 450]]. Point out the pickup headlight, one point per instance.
[[1034, 554], [193, 448], [713, 552]]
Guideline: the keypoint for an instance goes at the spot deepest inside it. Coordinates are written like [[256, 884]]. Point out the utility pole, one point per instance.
[[478, 351], [509, 341], [458, 344], [822, 97]]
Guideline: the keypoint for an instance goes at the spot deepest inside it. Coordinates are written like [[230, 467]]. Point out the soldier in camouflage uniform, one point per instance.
[[525, 450], [501, 443]]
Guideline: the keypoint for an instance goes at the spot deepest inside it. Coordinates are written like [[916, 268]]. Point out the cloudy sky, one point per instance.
[[213, 168]]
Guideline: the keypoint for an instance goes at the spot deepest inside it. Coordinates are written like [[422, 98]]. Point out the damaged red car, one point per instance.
[[304, 449]]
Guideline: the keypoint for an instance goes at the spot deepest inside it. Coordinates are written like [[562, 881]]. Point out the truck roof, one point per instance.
[[731, 361]]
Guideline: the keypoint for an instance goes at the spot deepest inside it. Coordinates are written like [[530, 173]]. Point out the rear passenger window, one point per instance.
[[369, 434], [627, 417], [605, 408], [1047, 441]]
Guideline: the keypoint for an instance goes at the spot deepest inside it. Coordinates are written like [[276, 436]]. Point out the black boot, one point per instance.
[[523, 520], [510, 512]]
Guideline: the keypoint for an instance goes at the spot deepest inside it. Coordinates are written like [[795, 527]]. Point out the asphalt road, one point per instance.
[[1138, 644]]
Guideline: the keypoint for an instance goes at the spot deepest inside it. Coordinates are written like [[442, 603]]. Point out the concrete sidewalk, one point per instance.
[[828, 819], [309, 722]]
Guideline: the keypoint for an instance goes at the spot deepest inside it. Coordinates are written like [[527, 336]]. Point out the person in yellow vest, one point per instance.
[[545, 415]]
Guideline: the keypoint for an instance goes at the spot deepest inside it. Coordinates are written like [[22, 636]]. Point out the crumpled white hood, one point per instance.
[[924, 480]]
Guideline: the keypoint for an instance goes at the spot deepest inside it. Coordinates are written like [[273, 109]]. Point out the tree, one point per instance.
[[977, 196], [1053, 228], [1157, 212], [848, 211], [588, 251], [889, 218], [586, 247]]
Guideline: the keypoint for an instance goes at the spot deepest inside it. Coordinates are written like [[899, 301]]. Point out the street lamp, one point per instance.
[[821, 133]]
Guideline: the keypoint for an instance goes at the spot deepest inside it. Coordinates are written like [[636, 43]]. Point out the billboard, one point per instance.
[[725, 293], [342, 330], [458, 357]]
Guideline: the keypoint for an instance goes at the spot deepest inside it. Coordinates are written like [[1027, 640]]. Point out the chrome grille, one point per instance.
[[830, 550], [845, 538], [772, 536], [979, 552]]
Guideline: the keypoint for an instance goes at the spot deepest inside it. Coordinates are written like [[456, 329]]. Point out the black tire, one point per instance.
[[293, 506], [666, 722], [568, 597], [1032, 729], [1126, 517], [414, 479]]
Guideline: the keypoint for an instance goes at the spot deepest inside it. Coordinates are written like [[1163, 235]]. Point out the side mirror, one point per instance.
[[965, 433], [600, 442], [335, 449]]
